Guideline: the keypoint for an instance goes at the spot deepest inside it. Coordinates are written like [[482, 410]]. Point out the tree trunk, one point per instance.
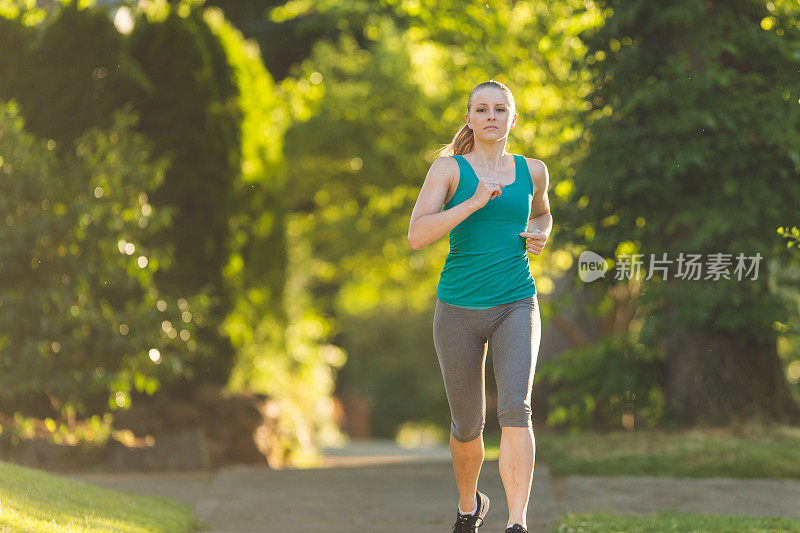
[[715, 379]]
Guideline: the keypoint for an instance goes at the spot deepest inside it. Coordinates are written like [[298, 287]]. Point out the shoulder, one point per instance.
[[444, 162], [539, 173], [444, 166]]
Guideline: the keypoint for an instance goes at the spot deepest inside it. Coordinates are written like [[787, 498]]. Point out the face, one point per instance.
[[490, 116]]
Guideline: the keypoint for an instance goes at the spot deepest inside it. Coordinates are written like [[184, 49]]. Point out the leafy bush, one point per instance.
[[392, 361], [212, 110], [82, 322], [792, 236], [604, 384], [68, 74], [280, 348], [70, 71]]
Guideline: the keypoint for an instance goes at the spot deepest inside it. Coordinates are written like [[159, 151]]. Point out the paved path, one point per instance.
[[377, 486]]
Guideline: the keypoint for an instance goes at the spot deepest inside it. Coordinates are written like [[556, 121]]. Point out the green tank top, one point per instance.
[[488, 262]]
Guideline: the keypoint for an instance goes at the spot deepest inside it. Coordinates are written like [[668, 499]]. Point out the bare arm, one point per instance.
[[541, 221], [428, 224]]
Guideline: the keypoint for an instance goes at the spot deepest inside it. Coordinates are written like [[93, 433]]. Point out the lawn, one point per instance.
[[34, 501], [696, 523], [756, 452]]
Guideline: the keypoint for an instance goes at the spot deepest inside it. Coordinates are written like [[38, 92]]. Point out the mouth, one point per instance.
[[490, 128]]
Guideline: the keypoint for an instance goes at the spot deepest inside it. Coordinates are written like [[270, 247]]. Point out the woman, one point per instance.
[[495, 206]]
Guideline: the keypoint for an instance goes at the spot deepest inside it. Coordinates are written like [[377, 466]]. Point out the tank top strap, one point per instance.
[[464, 166], [523, 172]]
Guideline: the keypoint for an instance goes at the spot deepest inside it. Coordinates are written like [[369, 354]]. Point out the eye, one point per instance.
[[500, 109]]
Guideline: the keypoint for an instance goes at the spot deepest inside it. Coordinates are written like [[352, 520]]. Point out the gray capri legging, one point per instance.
[[461, 335]]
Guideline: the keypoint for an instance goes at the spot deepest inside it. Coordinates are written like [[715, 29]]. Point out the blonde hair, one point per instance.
[[464, 140]]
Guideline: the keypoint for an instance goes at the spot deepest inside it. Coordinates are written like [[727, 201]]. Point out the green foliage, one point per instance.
[[216, 122], [601, 384], [77, 68], [86, 435], [787, 283], [792, 236], [692, 147], [28, 13], [190, 110], [68, 75], [81, 312], [285, 41], [257, 260], [278, 344], [15, 43], [400, 374]]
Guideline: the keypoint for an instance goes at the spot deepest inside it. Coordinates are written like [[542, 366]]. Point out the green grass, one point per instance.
[[756, 452], [667, 521], [34, 501]]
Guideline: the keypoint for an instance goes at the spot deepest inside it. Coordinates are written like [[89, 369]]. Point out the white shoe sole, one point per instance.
[[485, 509]]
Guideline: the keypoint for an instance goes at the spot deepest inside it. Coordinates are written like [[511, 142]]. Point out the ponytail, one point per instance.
[[463, 142]]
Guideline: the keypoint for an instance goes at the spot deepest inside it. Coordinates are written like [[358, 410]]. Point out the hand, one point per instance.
[[485, 191], [535, 240]]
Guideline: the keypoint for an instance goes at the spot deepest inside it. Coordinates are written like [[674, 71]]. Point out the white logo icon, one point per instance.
[[591, 266]]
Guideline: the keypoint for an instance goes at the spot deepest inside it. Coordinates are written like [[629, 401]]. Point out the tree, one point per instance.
[[273, 326], [190, 109], [216, 121], [83, 322], [691, 147], [78, 68]]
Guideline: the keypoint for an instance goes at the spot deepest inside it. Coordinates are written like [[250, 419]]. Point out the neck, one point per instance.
[[489, 155]]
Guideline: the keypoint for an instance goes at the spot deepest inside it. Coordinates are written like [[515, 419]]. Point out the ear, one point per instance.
[[466, 119], [514, 120]]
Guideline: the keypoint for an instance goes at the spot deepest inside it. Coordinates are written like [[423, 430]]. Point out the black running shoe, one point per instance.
[[469, 523], [516, 528]]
